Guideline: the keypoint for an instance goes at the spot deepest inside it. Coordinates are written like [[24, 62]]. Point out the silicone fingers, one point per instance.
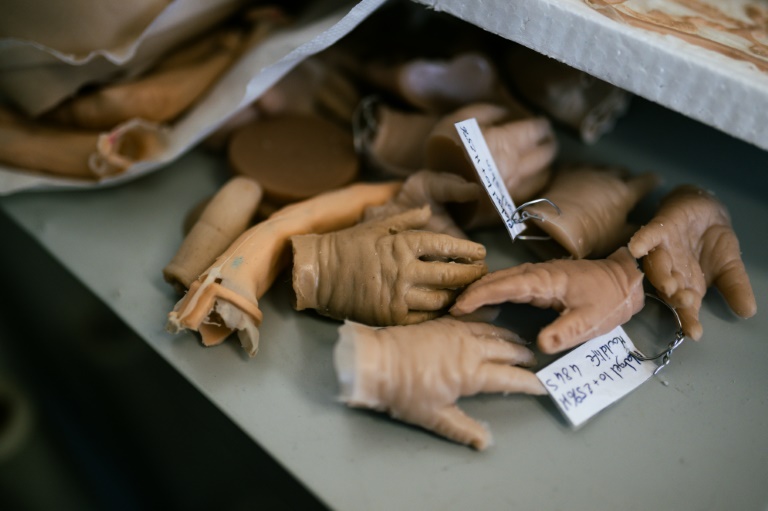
[[567, 331], [452, 423], [526, 133], [445, 187], [733, 283], [422, 299], [658, 265], [689, 318], [496, 350], [447, 275], [508, 379], [487, 330], [411, 219], [514, 284], [537, 158], [443, 246]]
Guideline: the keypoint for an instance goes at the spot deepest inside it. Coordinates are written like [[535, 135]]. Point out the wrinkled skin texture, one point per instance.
[[225, 297], [433, 189], [594, 204], [688, 246], [416, 373], [592, 297], [383, 272]]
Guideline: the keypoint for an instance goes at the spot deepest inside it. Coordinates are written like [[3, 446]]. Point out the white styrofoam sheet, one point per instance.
[[693, 438], [729, 94]]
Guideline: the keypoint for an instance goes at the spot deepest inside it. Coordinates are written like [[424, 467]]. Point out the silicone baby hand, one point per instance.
[[225, 297], [594, 204], [382, 273], [689, 246], [593, 297], [416, 373], [433, 189], [521, 149]]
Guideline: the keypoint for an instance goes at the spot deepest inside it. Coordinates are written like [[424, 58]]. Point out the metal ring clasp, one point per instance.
[[523, 215], [671, 347]]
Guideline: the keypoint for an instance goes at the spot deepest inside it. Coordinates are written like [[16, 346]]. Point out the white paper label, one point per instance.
[[595, 375], [474, 143]]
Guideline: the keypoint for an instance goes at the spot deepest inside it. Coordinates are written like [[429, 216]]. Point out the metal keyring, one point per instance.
[[672, 346], [522, 216]]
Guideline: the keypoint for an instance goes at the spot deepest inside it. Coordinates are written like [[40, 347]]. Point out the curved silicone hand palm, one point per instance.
[[592, 296], [594, 204], [433, 189], [688, 246], [382, 272], [417, 372]]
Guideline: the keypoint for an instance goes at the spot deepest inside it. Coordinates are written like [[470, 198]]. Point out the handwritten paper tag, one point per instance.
[[595, 375], [474, 144]]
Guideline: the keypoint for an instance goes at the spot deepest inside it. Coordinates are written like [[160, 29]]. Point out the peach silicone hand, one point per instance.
[[433, 189], [592, 296], [417, 372], [383, 273], [226, 296], [521, 149], [594, 204], [688, 246]]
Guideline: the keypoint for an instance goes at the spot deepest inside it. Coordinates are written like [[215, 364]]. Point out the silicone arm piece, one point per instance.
[[226, 216], [383, 273], [225, 297], [74, 153], [48, 149], [433, 189], [521, 149], [594, 204], [592, 296], [688, 246], [416, 373]]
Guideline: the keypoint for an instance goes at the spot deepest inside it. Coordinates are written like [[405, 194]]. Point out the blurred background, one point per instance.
[[92, 418]]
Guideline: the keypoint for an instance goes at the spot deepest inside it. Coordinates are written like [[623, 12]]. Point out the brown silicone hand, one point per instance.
[[433, 189], [593, 297], [594, 204], [687, 247], [382, 272], [417, 372]]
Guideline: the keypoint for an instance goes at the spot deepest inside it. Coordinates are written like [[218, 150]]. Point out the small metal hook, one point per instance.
[[671, 347], [364, 122], [523, 215]]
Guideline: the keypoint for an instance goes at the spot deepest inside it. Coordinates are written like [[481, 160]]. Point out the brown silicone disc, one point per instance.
[[294, 157]]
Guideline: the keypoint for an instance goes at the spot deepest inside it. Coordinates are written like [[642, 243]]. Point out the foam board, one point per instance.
[[712, 66]]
